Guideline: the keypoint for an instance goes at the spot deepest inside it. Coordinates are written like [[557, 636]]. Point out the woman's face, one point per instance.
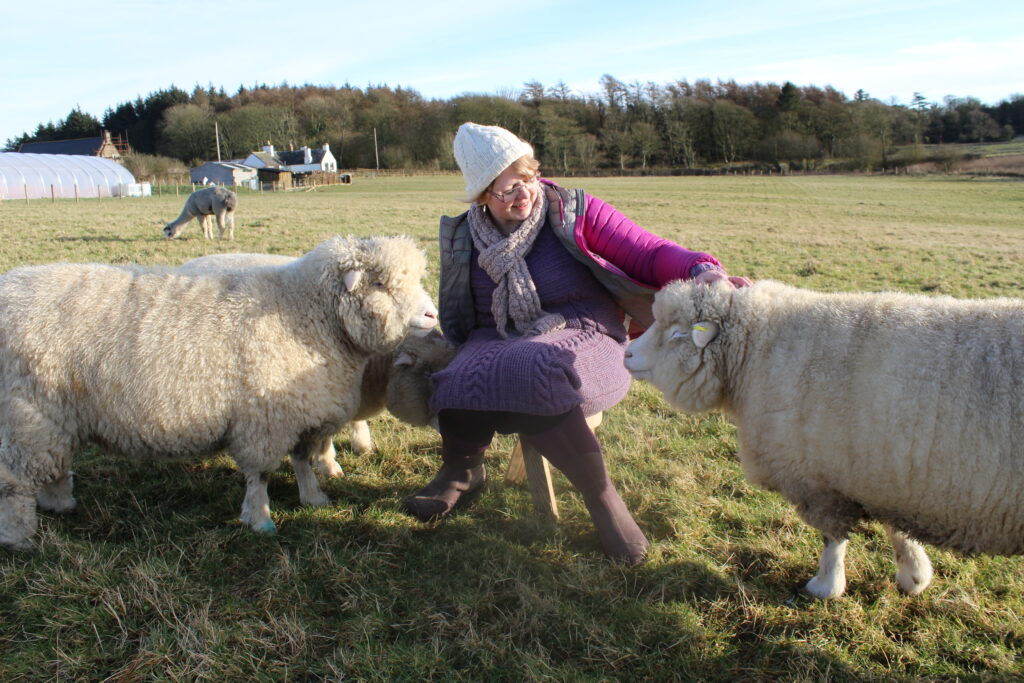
[[511, 198]]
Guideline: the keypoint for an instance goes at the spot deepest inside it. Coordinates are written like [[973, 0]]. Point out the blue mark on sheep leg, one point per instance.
[[267, 527]]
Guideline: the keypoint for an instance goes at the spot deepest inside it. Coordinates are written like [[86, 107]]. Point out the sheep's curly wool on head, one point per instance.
[[378, 283], [668, 356]]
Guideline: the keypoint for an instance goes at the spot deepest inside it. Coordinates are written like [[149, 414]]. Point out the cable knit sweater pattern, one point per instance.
[[546, 374]]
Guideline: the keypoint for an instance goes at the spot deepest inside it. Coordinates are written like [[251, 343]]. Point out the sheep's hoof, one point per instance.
[[331, 468], [824, 589], [15, 546], [58, 506], [268, 527], [317, 500], [914, 583], [16, 539], [57, 496]]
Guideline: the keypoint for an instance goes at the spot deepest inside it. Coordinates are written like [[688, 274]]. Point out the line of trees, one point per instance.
[[622, 127]]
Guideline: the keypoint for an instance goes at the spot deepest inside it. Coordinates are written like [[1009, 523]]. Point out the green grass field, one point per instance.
[[154, 578]]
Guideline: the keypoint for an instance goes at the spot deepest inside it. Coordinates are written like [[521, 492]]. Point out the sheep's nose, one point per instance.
[[629, 354]]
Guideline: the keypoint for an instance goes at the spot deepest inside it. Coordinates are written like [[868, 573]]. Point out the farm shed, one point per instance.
[[223, 173], [275, 179], [38, 176], [101, 146]]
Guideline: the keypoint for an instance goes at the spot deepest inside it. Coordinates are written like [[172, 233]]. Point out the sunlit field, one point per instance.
[[154, 577]]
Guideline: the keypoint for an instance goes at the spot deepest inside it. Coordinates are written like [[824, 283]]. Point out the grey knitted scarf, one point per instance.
[[503, 258]]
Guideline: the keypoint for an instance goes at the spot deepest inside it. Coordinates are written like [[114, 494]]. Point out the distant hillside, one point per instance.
[[624, 127]]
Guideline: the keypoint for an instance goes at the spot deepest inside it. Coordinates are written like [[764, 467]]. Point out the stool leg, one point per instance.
[[515, 475], [538, 473], [518, 473]]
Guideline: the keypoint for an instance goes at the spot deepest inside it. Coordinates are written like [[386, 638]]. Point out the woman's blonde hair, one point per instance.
[[525, 167]]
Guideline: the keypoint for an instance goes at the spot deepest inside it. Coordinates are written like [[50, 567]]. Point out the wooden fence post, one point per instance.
[[26, 193], [53, 195], [76, 193]]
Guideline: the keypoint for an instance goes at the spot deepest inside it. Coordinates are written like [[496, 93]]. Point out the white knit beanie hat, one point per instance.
[[483, 152]]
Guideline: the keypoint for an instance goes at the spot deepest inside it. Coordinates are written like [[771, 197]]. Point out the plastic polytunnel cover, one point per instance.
[[35, 176]]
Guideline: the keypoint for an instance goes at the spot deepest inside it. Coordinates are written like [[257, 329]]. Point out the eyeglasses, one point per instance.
[[510, 194]]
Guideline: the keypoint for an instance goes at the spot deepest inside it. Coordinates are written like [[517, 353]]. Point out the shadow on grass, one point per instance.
[[494, 592]]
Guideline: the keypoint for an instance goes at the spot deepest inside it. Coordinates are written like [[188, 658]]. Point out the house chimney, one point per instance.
[[307, 155], [268, 148], [291, 146], [327, 147]]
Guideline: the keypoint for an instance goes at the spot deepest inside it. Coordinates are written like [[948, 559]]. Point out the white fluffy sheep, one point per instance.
[[203, 205], [905, 409], [398, 381], [155, 363]]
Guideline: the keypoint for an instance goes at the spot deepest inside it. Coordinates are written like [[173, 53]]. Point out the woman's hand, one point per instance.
[[706, 277]]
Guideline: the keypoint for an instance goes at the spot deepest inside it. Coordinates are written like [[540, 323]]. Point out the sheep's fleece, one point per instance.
[[903, 408], [156, 363], [398, 381]]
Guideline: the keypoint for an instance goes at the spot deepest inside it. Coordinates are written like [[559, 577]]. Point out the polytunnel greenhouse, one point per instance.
[[38, 176]]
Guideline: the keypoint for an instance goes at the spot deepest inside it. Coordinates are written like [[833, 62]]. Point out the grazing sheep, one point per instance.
[[203, 205], [398, 381], [155, 363], [906, 409]]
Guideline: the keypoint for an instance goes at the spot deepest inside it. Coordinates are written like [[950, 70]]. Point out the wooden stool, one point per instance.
[[527, 465]]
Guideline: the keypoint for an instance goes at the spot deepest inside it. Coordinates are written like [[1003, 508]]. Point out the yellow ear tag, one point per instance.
[[703, 333]]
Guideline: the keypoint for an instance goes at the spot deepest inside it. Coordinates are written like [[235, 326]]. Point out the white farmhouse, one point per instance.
[[298, 161]]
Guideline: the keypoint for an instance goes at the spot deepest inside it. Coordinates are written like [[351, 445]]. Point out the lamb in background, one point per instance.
[[398, 381], [157, 363], [203, 205], [906, 409]]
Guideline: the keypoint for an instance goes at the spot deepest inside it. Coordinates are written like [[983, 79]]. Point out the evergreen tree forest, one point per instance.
[[621, 128]]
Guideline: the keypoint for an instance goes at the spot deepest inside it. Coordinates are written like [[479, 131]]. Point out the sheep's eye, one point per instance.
[[676, 334]]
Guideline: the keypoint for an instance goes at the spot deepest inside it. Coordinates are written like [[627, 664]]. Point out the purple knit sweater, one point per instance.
[[547, 374]]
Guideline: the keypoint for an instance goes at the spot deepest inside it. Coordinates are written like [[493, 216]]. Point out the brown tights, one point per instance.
[[565, 440]]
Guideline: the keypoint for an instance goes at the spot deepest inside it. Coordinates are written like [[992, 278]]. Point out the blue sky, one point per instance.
[[68, 54]]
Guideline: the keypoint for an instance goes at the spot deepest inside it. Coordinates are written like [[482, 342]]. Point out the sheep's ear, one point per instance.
[[703, 333], [404, 359], [352, 279]]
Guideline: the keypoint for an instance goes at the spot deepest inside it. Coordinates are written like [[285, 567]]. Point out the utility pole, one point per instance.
[[216, 133], [375, 154]]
